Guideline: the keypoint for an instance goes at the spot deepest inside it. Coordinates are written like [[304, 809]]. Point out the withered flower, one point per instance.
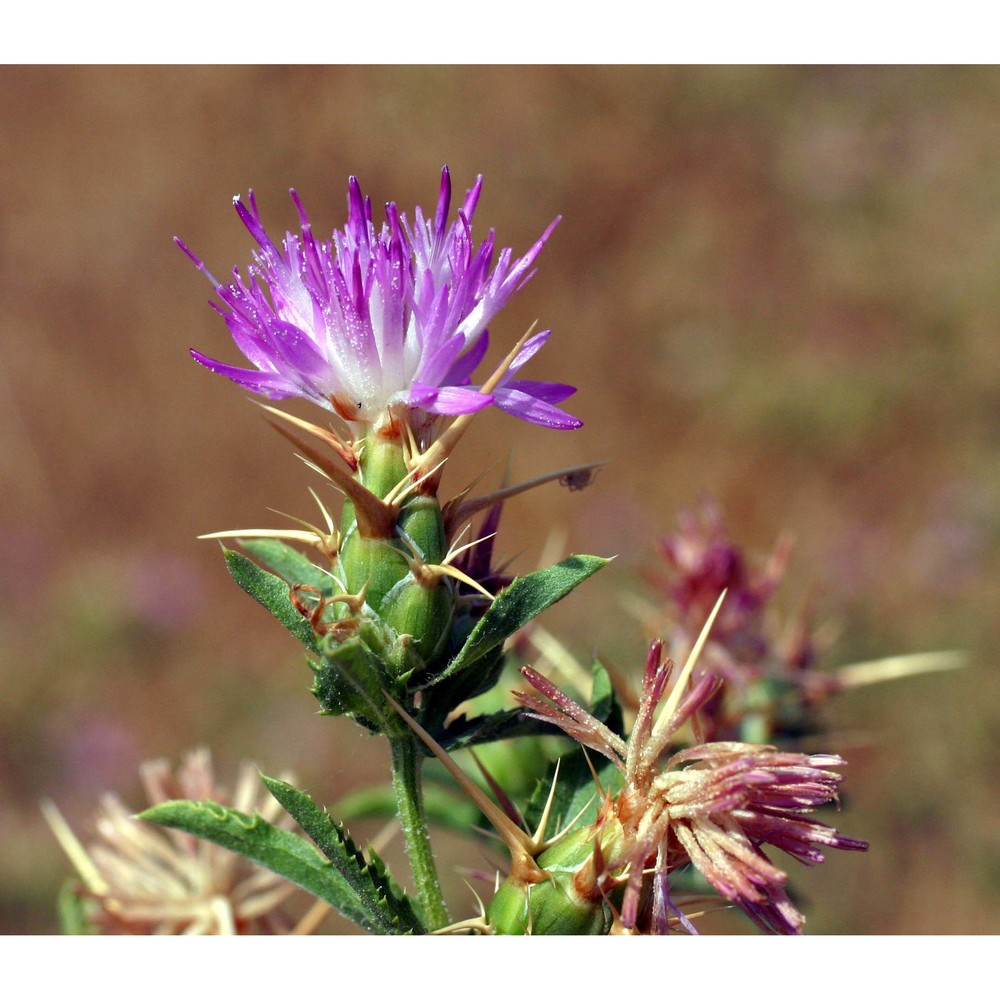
[[137, 878], [715, 805]]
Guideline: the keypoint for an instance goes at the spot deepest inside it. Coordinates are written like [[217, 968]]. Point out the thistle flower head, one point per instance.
[[381, 321], [144, 879], [772, 685], [714, 805], [703, 561]]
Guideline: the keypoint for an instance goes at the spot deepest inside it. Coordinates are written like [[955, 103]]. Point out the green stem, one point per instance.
[[406, 763]]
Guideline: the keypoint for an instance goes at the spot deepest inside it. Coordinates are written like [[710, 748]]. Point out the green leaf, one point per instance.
[[72, 908], [440, 702], [604, 705], [515, 606], [369, 880], [281, 851], [272, 592], [575, 791], [290, 564], [504, 725], [443, 806]]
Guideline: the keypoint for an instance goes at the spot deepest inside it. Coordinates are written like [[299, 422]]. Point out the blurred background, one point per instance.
[[776, 287]]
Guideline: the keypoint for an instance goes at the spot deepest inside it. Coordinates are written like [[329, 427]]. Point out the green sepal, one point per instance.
[[372, 562], [389, 906], [272, 592], [547, 909], [382, 465], [290, 564], [281, 851], [422, 522], [516, 605]]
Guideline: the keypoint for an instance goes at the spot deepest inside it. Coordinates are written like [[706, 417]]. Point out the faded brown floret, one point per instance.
[[144, 879], [714, 805]]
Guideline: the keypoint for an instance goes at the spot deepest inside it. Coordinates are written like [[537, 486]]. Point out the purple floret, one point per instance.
[[370, 321]]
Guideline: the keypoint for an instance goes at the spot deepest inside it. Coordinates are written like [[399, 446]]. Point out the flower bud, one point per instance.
[[351, 680], [421, 610], [422, 603], [569, 899], [372, 562], [376, 562]]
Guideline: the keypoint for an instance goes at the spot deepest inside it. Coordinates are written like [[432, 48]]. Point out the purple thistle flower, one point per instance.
[[374, 321]]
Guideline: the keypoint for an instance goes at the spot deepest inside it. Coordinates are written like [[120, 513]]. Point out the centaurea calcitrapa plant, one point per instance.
[[406, 620]]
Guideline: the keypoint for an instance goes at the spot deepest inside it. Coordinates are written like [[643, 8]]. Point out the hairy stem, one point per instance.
[[407, 760]]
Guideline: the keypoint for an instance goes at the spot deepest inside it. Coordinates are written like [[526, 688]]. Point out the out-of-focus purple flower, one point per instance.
[[703, 562], [774, 680], [374, 321], [770, 681], [168, 599]]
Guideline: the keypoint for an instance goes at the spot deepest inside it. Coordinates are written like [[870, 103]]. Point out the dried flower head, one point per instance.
[[144, 879], [374, 321], [715, 805]]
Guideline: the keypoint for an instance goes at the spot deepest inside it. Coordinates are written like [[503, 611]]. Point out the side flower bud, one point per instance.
[[570, 898]]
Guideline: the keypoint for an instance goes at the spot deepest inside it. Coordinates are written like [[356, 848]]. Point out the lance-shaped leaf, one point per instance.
[[516, 605], [290, 564], [443, 806], [281, 851], [369, 880], [505, 725], [272, 592]]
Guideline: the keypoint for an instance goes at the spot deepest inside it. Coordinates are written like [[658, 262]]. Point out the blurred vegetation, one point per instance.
[[774, 286]]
